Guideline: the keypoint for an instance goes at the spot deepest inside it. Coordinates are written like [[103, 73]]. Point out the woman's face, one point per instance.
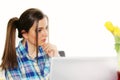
[[42, 32]]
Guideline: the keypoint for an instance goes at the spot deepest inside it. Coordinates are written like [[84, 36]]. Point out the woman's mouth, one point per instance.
[[43, 40]]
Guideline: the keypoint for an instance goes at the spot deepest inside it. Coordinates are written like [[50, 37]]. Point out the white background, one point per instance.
[[76, 26]]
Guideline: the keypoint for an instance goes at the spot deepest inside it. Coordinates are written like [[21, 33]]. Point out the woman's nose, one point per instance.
[[45, 33]]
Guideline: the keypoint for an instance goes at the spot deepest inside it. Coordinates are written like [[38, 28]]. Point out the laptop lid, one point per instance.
[[83, 68]]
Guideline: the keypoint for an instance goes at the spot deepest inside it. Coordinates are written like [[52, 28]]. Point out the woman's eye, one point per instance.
[[39, 30]]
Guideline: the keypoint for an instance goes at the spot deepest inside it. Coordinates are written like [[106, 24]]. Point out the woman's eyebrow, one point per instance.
[[41, 27]]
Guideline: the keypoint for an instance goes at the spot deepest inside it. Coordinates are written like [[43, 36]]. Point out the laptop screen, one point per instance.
[[83, 68]]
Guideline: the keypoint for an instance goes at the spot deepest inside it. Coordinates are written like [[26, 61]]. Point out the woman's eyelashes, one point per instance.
[[40, 29]]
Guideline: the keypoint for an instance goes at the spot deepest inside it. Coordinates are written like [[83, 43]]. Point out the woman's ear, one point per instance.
[[24, 34]]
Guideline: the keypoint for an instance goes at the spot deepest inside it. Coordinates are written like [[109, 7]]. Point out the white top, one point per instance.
[[2, 74]]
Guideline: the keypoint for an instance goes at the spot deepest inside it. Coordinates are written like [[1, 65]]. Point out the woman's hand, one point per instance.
[[50, 49]]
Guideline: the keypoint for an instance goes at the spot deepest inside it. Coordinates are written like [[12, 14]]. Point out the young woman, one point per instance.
[[31, 58]]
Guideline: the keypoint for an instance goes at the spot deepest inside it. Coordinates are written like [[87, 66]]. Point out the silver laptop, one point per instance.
[[84, 68]]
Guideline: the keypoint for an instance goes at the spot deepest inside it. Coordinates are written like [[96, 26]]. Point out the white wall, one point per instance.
[[76, 26]]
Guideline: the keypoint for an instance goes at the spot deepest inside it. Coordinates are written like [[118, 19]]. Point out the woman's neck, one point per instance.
[[31, 48]]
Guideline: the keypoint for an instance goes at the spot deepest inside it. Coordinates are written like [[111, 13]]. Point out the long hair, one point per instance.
[[25, 22]]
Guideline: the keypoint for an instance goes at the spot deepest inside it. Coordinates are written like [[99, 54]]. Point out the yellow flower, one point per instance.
[[116, 31], [109, 26]]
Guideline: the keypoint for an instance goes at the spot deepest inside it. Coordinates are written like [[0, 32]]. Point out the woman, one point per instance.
[[31, 59]]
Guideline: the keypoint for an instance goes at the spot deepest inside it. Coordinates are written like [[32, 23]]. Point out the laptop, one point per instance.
[[83, 68]]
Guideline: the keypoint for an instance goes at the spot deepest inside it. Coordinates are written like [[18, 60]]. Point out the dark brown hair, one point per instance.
[[25, 22]]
